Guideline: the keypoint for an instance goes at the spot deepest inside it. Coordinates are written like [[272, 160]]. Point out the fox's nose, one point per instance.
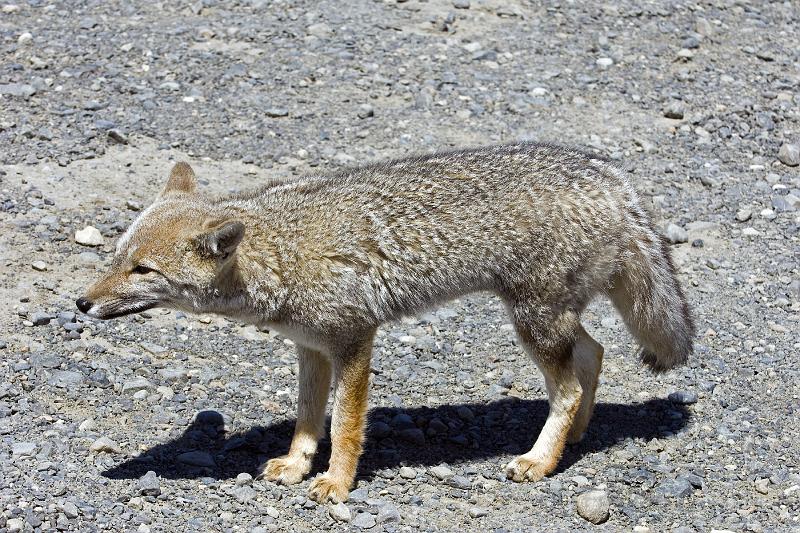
[[83, 304]]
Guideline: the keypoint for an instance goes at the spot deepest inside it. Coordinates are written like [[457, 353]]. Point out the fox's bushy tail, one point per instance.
[[647, 294]]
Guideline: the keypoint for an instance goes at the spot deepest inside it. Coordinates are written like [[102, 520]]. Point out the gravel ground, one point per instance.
[[155, 422]]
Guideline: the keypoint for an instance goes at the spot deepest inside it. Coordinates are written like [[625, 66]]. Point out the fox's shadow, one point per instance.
[[461, 433]]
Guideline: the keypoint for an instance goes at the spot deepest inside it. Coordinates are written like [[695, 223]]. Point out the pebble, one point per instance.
[[17, 89], [320, 30], [65, 379], [744, 214], [39, 265], [244, 493], [461, 4], [388, 513], [678, 488], [406, 472], [23, 449], [593, 506], [789, 154], [676, 234], [89, 236], [364, 521], [441, 472], [683, 398], [105, 445], [674, 110], [70, 510], [365, 111], [276, 112], [149, 484], [339, 512], [136, 385], [604, 62], [244, 479], [750, 232], [477, 512], [40, 318]]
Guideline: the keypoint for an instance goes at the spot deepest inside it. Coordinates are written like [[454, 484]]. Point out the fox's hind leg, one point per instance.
[[587, 359], [314, 382], [549, 341]]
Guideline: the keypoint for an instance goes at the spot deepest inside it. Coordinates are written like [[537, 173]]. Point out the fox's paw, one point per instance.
[[326, 488], [286, 470], [524, 469]]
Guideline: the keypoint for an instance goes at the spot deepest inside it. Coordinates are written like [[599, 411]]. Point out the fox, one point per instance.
[[327, 259]]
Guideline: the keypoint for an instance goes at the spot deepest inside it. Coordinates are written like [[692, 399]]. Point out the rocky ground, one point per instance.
[[156, 422]]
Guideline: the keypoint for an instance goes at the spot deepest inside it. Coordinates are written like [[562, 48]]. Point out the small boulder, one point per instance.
[[593, 506], [89, 236]]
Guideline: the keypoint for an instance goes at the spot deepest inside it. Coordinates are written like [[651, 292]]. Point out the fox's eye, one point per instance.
[[141, 270]]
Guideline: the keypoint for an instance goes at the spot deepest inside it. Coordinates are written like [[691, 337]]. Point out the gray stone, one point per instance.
[[135, 385], [477, 512], [105, 445], [149, 484], [173, 374], [442, 472], [320, 30], [23, 449], [244, 479], [678, 488], [460, 482], [593, 506], [674, 110], [683, 398], [365, 111], [339, 512], [153, 348], [41, 266], [65, 379], [676, 234], [744, 214], [40, 318], [17, 89], [789, 154], [244, 493], [364, 521], [360, 495], [461, 4], [406, 472], [388, 513], [70, 510], [276, 112], [604, 62]]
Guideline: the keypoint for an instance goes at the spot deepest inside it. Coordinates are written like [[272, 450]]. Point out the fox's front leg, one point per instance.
[[351, 370], [314, 382]]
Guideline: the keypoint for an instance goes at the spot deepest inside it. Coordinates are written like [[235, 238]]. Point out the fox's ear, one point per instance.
[[181, 179], [221, 239]]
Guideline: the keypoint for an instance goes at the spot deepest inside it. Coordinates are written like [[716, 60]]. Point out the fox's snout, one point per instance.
[[84, 304]]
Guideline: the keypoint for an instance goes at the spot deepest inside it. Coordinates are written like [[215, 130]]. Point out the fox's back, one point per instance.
[[481, 199], [438, 225]]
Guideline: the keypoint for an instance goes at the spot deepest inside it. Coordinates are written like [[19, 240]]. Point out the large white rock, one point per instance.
[[89, 236]]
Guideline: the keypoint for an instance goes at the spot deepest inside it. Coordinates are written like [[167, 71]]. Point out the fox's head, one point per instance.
[[178, 253]]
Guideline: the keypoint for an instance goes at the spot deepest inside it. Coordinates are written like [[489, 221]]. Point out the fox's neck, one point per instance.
[[249, 286]]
